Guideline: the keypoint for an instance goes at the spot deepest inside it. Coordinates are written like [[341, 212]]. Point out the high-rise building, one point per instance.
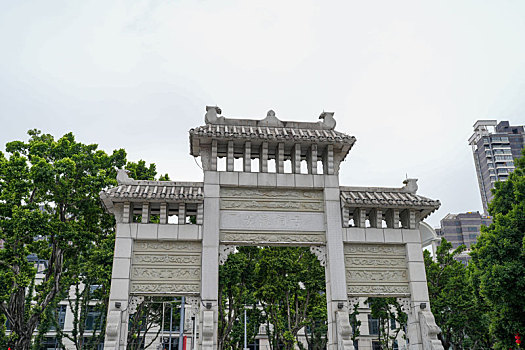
[[462, 228], [495, 146]]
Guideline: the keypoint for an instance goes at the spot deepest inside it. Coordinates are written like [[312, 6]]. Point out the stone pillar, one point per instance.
[[312, 159], [296, 158], [279, 158], [376, 218], [210, 261], [263, 158], [213, 156], [336, 294], [145, 213], [182, 214], [418, 288], [163, 213], [229, 157], [328, 160], [118, 316], [359, 217], [392, 218], [247, 160]]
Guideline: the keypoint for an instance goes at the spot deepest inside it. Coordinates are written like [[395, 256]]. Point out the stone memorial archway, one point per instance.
[[172, 236]]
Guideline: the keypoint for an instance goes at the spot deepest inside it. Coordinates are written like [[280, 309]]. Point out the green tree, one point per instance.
[[236, 291], [50, 211], [462, 319], [49, 208], [290, 285], [391, 319], [498, 259]]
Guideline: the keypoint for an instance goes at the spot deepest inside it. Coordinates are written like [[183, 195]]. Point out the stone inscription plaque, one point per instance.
[[166, 267], [376, 270], [278, 221], [271, 200]]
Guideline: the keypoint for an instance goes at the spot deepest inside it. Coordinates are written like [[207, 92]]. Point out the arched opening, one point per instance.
[[279, 292]]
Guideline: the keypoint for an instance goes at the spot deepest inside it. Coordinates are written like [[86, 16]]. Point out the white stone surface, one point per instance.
[[374, 235], [277, 221], [285, 180], [168, 232], [411, 236], [392, 235], [247, 179], [304, 181], [266, 180]]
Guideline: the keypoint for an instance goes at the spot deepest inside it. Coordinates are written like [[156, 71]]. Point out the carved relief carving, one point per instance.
[[376, 249], [359, 261], [320, 253], [269, 237], [166, 267], [269, 193], [379, 276], [193, 306], [167, 259], [165, 288], [376, 269], [405, 305], [224, 251], [429, 331], [134, 302], [287, 205], [152, 246], [378, 290], [155, 273]]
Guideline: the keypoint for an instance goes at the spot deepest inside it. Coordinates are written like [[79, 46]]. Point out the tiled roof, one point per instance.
[[383, 198], [156, 190], [271, 133]]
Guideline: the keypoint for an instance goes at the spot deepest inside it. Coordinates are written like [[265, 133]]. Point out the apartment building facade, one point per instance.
[[495, 147]]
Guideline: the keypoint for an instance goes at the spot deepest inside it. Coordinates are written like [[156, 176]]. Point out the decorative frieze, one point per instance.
[[261, 237], [320, 253], [224, 251], [166, 267], [376, 269], [259, 193], [165, 288]]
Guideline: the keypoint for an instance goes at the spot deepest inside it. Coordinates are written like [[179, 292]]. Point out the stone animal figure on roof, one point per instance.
[[211, 115], [328, 120]]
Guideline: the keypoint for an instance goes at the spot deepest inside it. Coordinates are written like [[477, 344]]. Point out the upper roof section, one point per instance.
[[389, 198], [269, 129]]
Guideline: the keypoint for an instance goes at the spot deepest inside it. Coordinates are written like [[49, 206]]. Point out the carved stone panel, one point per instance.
[[376, 270], [271, 237], [271, 200], [275, 221], [166, 267]]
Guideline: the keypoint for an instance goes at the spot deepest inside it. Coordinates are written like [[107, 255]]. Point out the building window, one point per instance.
[[393, 323], [395, 346], [254, 345], [49, 344], [373, 325], [93, 318], [60, 315], [376, 345], [356, 345]]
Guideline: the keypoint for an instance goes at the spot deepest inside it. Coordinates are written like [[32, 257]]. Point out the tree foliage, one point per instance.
[[461, 317], [286, 290], [498, 259], [388, 313], [50, 212]]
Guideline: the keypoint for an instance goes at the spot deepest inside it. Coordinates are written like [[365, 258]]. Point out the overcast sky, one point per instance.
[[407, 78]]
